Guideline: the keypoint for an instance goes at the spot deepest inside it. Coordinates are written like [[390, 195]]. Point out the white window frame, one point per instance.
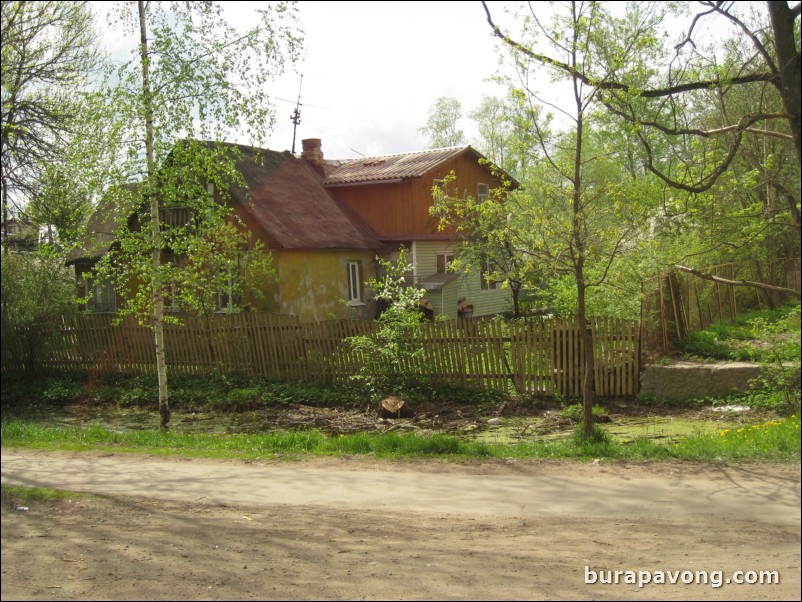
[[488, 267], [442, 185], [353, 271], [227, 299], [448, 259]]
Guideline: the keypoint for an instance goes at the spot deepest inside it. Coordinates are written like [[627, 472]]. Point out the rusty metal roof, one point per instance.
[[393, 168]]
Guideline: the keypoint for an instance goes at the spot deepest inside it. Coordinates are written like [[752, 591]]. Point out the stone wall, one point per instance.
[[686, 380]]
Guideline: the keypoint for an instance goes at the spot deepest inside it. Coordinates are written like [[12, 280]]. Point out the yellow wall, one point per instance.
[[313, 284]]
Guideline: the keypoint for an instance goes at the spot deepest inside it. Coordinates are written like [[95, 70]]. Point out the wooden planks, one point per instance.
[[540, 358]]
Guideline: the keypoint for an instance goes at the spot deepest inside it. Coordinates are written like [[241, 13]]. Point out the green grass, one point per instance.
[[758, 336], [36, 494], [775, 441]]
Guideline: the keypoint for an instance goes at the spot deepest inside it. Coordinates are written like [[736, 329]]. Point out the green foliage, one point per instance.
[[773, 440], [388, 355], [575, 411], [598, 436], [13, 495], [781, 354], [36, 292], [49, 54], [761, 336], [230, 393], [442, 127]]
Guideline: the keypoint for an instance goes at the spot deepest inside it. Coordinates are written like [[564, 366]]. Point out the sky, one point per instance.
[[372, 71]]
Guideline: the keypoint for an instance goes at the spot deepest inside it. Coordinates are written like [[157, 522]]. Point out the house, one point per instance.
[[325, 222], [323, 253], [20, 235], [393, 195]]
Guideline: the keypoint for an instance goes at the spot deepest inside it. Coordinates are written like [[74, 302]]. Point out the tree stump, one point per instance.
[[394, 407]]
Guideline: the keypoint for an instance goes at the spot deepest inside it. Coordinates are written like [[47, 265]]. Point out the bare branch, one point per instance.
[[750, 283]]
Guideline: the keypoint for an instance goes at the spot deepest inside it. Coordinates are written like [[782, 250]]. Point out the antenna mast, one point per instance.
[[296, 114]]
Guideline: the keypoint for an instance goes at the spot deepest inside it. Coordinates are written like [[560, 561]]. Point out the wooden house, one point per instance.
[[393, 195], [325, 222]]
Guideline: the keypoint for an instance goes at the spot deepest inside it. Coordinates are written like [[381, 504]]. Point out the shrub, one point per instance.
[[388, 355]]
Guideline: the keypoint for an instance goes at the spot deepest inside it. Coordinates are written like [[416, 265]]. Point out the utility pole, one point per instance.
[[296, 115]]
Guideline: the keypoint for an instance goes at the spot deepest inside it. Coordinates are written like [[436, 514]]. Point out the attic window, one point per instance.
[[442, 186], [176, 217], [482, 192]]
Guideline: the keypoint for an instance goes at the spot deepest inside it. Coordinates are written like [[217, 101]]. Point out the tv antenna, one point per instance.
[[296, 115]]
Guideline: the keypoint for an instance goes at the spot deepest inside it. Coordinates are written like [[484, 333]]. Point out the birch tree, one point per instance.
[[193, 81]]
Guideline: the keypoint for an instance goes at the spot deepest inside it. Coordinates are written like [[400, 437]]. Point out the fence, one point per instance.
[[542, 358], [675, 303]]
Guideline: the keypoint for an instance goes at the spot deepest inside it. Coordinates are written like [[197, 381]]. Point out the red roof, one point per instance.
[[286, 198], [393, 167]]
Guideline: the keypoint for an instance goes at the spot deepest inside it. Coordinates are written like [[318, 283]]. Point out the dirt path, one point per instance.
[[356, 529]]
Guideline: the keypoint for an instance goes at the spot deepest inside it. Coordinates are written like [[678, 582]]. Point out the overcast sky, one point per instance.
[[372, 70]]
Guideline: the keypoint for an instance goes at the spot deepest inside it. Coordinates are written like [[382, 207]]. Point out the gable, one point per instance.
[[403, 167]]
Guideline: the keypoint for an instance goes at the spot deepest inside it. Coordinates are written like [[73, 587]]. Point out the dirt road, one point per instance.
[[357, 529]]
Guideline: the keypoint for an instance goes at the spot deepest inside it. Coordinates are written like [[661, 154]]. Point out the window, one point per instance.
[[171, 296], [488, 268], [229, 299], [442, 187], [176, 217], [354, 282], [101, 295], [482, 192], [444, 261]]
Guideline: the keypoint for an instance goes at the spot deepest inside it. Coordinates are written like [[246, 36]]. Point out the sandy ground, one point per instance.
[[361, 529]]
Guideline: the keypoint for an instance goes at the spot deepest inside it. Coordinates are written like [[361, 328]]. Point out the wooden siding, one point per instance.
[[402, 209], [485, 302]]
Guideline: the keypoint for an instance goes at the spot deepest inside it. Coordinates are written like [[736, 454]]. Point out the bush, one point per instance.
[[388, 355]]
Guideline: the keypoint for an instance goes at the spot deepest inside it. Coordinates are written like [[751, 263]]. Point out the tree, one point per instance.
[[442, 127], [36, 293], [584, 208], [49, 53], [662, 104], [193, 81], [491, 233]]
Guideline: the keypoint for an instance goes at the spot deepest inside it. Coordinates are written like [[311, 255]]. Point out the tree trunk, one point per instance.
[[155, 227], [585, 335], [788, 59], [516, 299]]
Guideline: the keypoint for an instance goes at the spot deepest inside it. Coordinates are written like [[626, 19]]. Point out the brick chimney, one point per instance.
[[313, 153]]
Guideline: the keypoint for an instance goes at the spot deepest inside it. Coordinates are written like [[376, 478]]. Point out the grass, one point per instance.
[[775, 441], [758, 336], [14, 495]]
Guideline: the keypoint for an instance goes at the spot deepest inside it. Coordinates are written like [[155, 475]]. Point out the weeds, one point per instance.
[[772, 440]]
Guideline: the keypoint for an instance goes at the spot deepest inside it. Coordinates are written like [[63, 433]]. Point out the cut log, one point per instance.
[[394, 407]]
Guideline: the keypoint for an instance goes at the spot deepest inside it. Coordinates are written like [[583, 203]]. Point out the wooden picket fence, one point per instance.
[[675, 304], [540, 358]]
